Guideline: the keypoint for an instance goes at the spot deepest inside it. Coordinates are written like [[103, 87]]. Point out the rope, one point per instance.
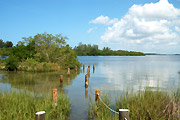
[[103, 102], [91, 89], [108, 106]]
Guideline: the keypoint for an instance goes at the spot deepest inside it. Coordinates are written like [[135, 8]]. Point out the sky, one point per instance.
[[150, 26]]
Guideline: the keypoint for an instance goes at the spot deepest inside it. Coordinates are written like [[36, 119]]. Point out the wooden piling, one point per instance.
[[75, 68], [61, 78], [68, 73], [93, 68], [89, 66], [83, 66], [88, 70], [40, 115], [97, 95], [86, 80], [68, 80], [54, 97], [86, 93], [124, 114]]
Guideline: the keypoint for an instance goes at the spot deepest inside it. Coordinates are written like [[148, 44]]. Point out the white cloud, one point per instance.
[[104, 20], [91, 29], [177, 29], [149, 26]]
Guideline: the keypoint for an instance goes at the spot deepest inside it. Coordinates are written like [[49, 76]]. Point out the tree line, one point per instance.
[[48, 52], [6, 44], [93, 50], [45, 50]]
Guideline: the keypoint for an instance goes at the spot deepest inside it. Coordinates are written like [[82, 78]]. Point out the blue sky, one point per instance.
[[119, 24]]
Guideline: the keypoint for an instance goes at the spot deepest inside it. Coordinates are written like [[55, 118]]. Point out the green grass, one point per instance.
[[143, 105], [23, 106]]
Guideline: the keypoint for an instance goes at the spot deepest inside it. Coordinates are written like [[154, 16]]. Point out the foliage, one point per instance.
[[12, 63], [92, 50], [23, 106], [43, 50], [5, 52], [6, 44], [31, 65]]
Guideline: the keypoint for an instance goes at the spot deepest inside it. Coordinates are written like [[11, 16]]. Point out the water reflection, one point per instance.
[[122, 73], [38, 82]]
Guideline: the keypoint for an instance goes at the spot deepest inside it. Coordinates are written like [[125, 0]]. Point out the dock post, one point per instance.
[[124, 114], [97, 94], [86, 81], [61, 78], [40, 115], [68, 73], [54, 97]]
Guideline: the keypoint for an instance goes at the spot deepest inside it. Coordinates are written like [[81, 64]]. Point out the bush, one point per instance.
[[11, 63]]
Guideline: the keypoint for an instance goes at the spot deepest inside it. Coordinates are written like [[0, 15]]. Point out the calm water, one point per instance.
[[112, 74]]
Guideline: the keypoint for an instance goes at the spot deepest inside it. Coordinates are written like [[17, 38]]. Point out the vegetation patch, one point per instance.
[[23, 106], [144, 105]]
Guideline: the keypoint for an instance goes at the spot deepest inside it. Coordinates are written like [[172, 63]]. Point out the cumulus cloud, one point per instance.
[[177, 29], [104, 20], [149, 26], [91, 29]]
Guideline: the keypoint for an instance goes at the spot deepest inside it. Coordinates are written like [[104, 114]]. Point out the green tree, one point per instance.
[[47, 46]]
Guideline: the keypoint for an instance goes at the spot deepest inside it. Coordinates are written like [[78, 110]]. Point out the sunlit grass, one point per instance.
[[23, 106], [143, 105]]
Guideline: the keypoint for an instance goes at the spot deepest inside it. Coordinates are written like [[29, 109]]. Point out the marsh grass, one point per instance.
[[23, 106], [143, 105], [98, 111]]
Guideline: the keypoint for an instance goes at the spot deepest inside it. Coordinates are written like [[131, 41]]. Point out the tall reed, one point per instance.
[[23, 106], [143, 105]]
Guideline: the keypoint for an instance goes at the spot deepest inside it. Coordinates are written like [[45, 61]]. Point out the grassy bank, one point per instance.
[[23, 106], [144, 105]]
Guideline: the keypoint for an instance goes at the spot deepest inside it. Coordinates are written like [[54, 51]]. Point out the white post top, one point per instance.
[[125, 110], [40, 113]]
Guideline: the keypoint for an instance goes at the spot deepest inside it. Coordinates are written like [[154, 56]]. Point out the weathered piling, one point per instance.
[[40, 115], [93, 68], [86, 80], [124, 114], [54, 97], [75, 68], [83, 66], [68, 72], [97, 95], [61, 78], [68, 80], [86, 93], [88, 70], [89, 66]]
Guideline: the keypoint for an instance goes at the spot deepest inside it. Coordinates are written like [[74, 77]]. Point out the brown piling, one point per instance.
[[89, 66], [88, 70], [54, 97], [75, 68], [68, 80], [68, 72], [61, 78], [93, 68], [97, 95], [86, 80], [40, 115], [86, 93], [124, 114]]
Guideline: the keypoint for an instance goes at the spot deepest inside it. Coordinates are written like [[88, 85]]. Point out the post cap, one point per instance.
[[125, 110], [40, 112]]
